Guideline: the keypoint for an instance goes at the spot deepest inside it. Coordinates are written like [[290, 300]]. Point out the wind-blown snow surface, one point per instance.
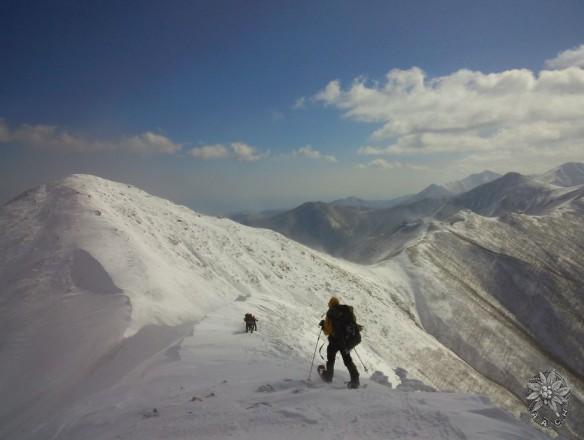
[[222, 383], [100, 280]]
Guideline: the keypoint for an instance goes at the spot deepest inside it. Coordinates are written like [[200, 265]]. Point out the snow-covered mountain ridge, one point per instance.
[[100, 281], [515, 193]]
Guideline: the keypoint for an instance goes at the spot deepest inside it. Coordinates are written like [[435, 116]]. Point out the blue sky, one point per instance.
[[247, 105]]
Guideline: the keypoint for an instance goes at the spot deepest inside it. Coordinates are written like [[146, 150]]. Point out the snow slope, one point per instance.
[[100, 280], [222, 383]]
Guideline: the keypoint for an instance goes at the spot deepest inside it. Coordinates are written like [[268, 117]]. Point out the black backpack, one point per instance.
[[345, 327]]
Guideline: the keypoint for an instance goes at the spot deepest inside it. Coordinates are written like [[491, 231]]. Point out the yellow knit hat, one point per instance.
[[334, 301]]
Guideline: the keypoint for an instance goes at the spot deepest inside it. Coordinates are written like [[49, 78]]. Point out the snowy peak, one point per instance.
[[512, 179], [351, 202], [437, 191], [432, 191], [471, 182], [568, 174], [517, 193]]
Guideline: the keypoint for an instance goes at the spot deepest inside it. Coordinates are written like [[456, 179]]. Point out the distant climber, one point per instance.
[[343, 334], [251, 323]]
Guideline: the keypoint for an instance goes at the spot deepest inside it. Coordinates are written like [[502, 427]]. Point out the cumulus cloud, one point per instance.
[[246, 153], [310, 153], [236, 150], [330, 94], [568, 58], [48, 137], [468, 112], [51, 138], [149, 143], [216, 151]]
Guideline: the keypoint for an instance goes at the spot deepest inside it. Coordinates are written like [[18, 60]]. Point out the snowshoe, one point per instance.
[[321, 369], [353, 385]]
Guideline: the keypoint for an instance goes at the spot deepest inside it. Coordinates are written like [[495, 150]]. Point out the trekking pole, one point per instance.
[[364, 367], [314, 354]]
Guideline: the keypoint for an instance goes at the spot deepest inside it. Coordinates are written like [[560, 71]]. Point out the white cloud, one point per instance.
[[299, 104], [150, 143], [236, 150], [568, 58], [330, 93], [391, 165], [467, 112], [216, 151], [246, 153], [382, 163], [48, 137], [310, 153]]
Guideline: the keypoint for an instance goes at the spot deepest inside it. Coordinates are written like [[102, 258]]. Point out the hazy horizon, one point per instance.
[[231, 208]]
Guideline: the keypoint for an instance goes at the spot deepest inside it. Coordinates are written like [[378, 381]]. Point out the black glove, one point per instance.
[[321, 323]]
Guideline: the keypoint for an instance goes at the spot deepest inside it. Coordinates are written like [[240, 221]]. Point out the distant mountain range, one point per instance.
[[433, 191], [369, 231]]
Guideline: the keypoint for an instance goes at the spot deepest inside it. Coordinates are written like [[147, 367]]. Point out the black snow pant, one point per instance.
[[331, 353]]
